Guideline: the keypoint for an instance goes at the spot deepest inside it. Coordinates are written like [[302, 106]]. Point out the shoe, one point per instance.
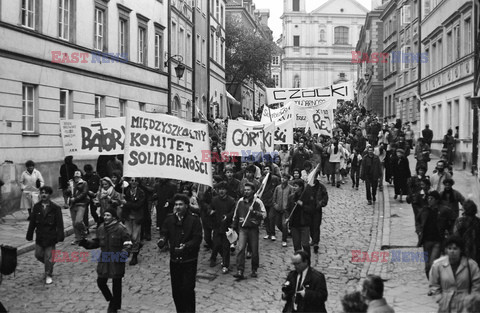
[[254, 274], [338, 185], [353, 186], [395, 197], [315, 249], [273, 238], [266, 237], [239, 275], [356, 188], [225, 270], [48, 280], [370, 202], [134, 260], [213, 263], [401, 201], [249, 255], [284, 244]]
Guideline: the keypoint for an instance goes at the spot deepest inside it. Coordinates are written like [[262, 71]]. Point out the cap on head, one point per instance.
[[77, 174]]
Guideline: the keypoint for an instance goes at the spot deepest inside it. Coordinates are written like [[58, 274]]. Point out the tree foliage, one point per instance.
[[248, 55]]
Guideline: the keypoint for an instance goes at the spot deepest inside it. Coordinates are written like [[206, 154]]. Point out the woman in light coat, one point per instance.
[[107, 197], [454, 292], [30, 182]]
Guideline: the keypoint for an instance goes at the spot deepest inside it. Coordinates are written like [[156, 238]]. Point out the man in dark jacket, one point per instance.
[[67, 170], [371, 171], [300, 208], [78, 204], [221, 209], [183, 231], [248, 215], [321, 200], [305, 289], [93, 181], [114, 241], [436, 223], [427, 135], [267, 199], [133, 210], [164, 191], [48, 221]]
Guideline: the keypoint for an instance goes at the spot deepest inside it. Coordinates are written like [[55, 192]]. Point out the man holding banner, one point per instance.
[[247, 217]]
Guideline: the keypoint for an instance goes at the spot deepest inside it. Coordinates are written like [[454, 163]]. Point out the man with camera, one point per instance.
[[305, 289], [183, 231]]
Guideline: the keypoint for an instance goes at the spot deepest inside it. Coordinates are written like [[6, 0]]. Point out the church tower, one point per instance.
[[292, 6]]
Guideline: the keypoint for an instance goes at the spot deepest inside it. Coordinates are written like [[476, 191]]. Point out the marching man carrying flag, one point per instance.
[[247, 217]]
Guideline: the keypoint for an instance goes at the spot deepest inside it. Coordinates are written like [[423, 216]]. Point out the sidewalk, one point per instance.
[[13, 228], [407, 285]]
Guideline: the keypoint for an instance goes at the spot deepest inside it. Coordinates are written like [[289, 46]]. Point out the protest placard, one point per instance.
[[275, 115], [248, 135], [93, 136], [310, 96], [319, 121], [300, 112], [283, 132], [160, 145]]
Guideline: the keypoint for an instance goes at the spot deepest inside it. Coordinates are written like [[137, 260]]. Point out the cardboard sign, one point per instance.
[[311, 96], [283, 132], [94, 136], [319, 121], [160, 145], [302, 112], [275, 115], [249, 136]]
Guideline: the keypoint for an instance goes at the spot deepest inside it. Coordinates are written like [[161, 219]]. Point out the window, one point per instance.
[[123, 38], [434, 54], [341, 35], [217, 10], [296, 5], [100, 25], [440, 54], [188, 50], [28, 109], [176, 107], [64, 104], [99, 106], [221, 53], [221, 15], [217, 48], [30, 13], [427, 64], [426, 7], [142, 46], [204, 52], [122, 107], [275, 60], [296, 41], [181, 42], [296, 81], [322, 35], [405, 12], [64, 8], [212, 44], [276, 79], [158, 51], [449, 47], [174, 38], [199, 48], [457, 41], [141, 106], [468, 36]]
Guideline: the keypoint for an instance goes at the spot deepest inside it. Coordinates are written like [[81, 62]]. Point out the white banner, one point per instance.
[[274, 115], [319, 121], [160, 145], [283, 132], [251, 136], [311, 96], [301, 112], [94, 136]]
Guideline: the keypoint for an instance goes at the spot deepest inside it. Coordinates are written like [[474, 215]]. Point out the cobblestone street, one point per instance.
[[347, 223]]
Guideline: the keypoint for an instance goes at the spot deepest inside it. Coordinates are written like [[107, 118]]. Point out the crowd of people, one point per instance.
[[284, 191]]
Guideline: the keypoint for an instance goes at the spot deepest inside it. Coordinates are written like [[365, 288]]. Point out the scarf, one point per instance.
[[106, 193], [109, 226]]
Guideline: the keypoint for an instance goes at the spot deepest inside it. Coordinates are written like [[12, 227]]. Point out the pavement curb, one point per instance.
[[373, 241], [31, 245]]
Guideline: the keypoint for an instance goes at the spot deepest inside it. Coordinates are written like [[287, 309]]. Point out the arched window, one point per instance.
[[188, 110], [322, 35], [176, 106], [341, 35], [296, 81]]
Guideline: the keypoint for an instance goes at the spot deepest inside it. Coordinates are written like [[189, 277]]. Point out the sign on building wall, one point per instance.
[[101, 136], [310, 96], [160, 145]]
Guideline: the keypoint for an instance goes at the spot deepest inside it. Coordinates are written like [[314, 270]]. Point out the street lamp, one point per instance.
[[180, 68]]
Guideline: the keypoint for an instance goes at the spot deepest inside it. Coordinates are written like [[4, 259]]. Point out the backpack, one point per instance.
[[8, 262]]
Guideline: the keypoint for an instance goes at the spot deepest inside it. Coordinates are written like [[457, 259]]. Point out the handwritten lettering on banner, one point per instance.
[[301, 112], [275, 115], [310, 96], [319, 121], [249, 135], [160, 145], [283, 132], [93, 136]]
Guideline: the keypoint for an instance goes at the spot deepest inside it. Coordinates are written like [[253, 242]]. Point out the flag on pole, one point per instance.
[[311, 176]]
